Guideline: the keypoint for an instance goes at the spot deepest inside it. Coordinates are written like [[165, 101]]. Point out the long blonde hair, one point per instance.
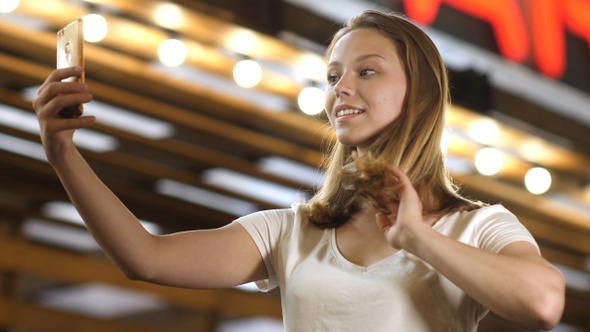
[[411, 143]]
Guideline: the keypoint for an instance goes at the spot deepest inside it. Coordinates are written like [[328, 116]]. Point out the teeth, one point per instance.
[[348, 112]]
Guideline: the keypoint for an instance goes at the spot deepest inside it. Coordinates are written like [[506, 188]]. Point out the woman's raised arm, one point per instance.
[[217, 258]]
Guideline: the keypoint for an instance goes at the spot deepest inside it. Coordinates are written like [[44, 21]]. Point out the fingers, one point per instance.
[[58, 75], [407, 188], [54, 95], [69, 124]]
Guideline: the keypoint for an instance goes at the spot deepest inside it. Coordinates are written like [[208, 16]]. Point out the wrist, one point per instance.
[[58, 156], [416, 237]]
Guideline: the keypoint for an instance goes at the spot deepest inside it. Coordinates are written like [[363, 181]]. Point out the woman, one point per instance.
[[386, 245]]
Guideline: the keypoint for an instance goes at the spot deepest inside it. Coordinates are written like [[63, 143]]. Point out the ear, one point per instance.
[[383, 222]]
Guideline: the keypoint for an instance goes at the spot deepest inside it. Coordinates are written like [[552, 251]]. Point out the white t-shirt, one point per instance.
[[322, 291]]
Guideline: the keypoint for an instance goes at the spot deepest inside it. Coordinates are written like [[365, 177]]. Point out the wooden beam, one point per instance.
[[21, 315]]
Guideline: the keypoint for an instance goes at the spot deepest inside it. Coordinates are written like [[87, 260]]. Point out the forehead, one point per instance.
[[361, 42]]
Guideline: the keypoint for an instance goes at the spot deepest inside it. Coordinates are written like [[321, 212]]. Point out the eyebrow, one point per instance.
[[360, 58]]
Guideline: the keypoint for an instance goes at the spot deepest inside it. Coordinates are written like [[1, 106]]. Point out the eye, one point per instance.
[[332, 79], [367, 72]]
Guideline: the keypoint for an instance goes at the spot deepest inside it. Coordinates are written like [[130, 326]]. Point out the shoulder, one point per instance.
[[274, 218], [483, 214], [489, 227]]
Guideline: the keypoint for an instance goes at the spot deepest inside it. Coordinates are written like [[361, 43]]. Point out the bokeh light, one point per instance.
[[95, 28], [172, 52], [247, 73], [537, 180], [488, 161]]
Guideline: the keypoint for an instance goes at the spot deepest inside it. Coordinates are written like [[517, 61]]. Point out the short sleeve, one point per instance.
[[265, 228], [497, 227]]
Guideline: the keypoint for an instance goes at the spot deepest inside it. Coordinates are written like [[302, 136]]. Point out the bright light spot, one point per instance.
[[172, 52], [311, 100], [247, 73], [485, 131], [312, 67], [242, 42], [95, 28], [8, 6], [488, 161], [533, 150], [169, 16], [537, 180]]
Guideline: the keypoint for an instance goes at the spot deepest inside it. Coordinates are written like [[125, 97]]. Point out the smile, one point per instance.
[[348, 112]]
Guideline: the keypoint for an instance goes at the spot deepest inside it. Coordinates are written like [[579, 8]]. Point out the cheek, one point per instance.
[[392, 105], [329, 99]]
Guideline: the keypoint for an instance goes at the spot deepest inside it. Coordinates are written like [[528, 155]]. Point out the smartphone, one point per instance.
[[70, 46]]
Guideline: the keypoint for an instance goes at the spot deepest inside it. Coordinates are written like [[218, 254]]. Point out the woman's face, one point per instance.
[[366, 86]]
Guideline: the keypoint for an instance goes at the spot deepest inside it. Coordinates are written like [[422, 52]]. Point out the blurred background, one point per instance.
[[208, 110]]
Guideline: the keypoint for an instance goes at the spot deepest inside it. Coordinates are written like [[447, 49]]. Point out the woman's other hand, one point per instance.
[[405, 218]]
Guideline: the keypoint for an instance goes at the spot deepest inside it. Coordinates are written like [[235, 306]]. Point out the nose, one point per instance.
[[345, 85]]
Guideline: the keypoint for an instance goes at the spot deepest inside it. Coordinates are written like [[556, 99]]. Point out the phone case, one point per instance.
[[70, 45]]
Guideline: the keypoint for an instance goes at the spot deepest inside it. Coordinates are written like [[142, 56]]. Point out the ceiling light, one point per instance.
[[106, 114], [19, 119], [204, 197], [117, 117], [95, 141], [251, 186], [241, 41], [172, 52], [84, 138], [99, 300], [247, 73], [65, 211], [95, 27], [8, 6], [485, 131], [22, 147], [311, 67], [311, 100], [169, 15], [292, 170], [488, 161], [534, 150], [59, 235], [537, 180]]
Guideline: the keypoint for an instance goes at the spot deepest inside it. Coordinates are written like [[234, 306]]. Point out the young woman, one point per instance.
[[386, 245]]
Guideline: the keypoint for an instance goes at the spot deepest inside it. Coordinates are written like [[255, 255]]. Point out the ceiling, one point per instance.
[[211, 134]]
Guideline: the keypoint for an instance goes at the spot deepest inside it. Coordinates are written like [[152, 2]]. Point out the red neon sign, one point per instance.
[[543, 40]]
